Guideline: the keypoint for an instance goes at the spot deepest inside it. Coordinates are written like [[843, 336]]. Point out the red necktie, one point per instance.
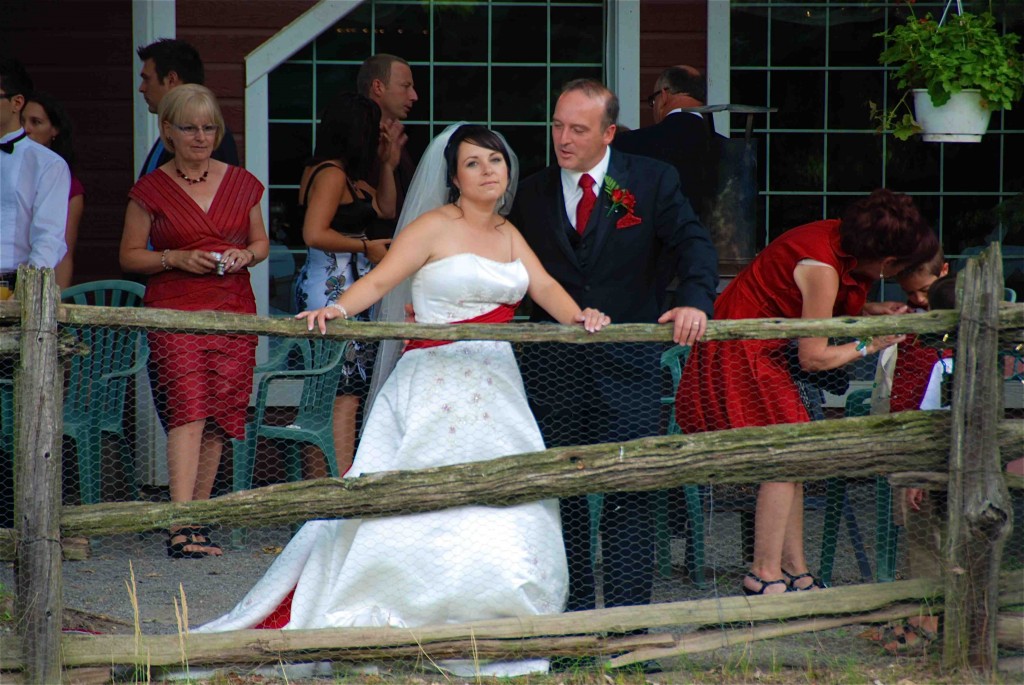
[[586, 204]]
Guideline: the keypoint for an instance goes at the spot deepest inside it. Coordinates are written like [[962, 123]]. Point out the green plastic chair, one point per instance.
[[673, 360], [838, 509], [7, 415], [94, 400], [320, 372]]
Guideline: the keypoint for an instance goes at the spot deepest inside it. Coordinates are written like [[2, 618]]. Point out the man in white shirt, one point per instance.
[[34, 185]]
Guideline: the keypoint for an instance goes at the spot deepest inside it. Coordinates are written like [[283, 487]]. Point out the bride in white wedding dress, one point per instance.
[[443, 404]]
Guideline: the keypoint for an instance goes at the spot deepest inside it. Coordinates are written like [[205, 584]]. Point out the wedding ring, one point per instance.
[[696, 324]]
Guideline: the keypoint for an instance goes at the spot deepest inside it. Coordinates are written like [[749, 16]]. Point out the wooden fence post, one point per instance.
[[979, 511], [39, 383]]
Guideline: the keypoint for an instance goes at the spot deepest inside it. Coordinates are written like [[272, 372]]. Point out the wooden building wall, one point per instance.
[[671, 32], [81, 52], [224, 32]]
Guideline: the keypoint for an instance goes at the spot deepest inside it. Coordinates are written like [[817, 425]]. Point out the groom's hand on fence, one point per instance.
[[688, 324]]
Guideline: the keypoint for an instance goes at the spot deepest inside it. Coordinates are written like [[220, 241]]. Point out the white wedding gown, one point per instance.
[[443, 405]]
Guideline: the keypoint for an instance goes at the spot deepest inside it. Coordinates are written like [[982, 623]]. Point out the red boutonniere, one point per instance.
[[621, 199]]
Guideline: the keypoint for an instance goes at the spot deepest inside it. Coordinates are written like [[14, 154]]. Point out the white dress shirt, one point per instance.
[[34, 186], [933, 392], [571, 191], [680, 111]]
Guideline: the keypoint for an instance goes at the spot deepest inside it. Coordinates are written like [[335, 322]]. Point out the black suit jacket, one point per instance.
[[682, 140], [615, 270]]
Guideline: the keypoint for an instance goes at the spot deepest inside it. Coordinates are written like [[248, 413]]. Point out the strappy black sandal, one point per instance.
[[764, 583], [194, 536], [791, 581]]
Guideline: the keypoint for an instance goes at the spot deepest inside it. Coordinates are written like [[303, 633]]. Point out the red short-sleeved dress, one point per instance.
[[732, 384], [200, 376]]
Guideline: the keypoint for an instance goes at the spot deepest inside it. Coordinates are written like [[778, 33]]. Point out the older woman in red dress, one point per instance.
[[203, 219], [815, 271]]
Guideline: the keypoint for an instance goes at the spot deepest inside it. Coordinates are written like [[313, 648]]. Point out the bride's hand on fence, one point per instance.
[[320, 317], [592, 319]]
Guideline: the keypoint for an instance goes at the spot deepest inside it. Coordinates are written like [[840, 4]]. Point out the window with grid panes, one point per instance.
[[817, 62], [496, 63]]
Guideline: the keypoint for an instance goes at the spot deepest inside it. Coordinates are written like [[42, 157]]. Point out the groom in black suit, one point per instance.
[[598, 221]]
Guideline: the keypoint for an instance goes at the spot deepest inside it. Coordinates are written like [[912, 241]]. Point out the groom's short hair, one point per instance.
[[596, 89]]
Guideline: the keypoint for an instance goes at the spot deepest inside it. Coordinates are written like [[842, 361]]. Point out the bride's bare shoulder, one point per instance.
[[443, 214]]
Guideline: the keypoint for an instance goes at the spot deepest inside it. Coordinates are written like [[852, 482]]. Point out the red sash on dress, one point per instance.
[[501, 314]]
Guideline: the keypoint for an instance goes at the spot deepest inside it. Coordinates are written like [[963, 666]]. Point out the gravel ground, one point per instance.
[[98, 587]]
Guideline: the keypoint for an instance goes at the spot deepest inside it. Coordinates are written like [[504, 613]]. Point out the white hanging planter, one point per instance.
[[961, 120]]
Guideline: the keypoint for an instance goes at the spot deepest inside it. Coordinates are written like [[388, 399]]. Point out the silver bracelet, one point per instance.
[[344, 312], [163, 260]]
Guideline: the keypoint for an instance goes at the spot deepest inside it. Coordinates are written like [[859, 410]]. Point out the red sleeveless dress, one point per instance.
[[200, 376], [738, 383]]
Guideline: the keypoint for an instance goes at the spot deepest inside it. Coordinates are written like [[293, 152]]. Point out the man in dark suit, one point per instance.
[[682, 139], [678, 138], [166, 64], [598, 221]]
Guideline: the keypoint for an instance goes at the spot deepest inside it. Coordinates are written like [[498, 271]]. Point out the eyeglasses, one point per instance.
[[653, 97], [190, 130]]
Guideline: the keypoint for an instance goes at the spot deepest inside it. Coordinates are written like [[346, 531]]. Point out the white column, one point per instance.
[[719, 60], [151, 19], [623, 51]]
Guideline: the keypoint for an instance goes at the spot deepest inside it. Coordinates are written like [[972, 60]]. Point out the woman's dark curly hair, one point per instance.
[[349, 130], [887, 224], [59, 119], [477, 135]]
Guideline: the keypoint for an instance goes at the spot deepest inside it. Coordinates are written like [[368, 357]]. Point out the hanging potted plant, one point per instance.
[[956, 64]]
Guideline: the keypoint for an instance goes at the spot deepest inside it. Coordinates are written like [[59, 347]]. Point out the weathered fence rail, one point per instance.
[[1010, 322], [912, 441], [963, 450]]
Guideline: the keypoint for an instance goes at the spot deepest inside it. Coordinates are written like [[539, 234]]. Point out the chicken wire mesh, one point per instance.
[[276, 421]]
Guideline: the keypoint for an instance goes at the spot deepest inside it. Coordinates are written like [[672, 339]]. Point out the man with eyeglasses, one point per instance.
[[677, 137], [167, 64], [34, 185]]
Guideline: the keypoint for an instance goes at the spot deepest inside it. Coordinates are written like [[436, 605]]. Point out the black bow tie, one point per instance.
[[8, 147]]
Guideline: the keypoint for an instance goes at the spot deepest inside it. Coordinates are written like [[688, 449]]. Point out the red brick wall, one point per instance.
[[81, 53], [671, 32], [224, 32]]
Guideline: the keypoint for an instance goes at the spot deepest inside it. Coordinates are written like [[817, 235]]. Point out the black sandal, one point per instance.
[[791, 581], [195, 536], [764, 583]]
